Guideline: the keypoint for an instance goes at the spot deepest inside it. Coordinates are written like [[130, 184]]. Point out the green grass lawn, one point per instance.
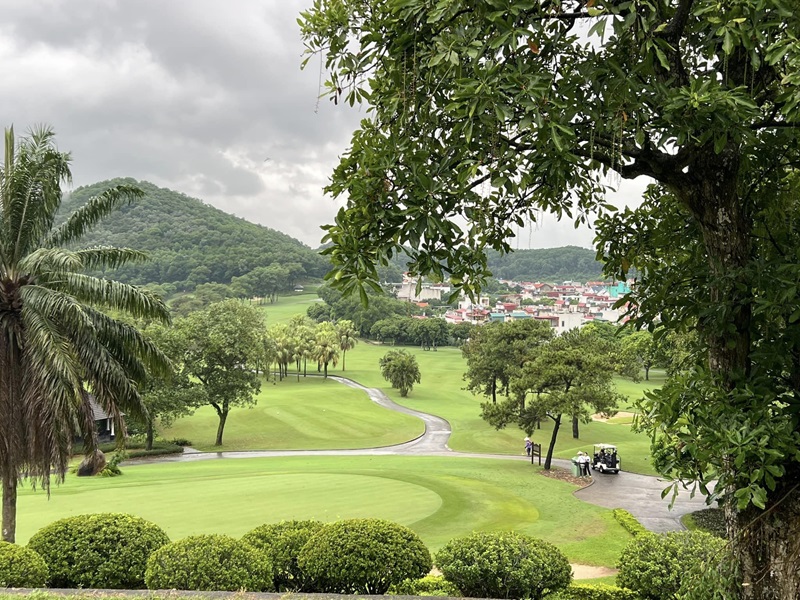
[[441, 393], [311, 414], [314, 414], [439, 498], [288, 306]]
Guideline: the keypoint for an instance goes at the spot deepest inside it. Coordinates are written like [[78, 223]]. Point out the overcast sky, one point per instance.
[[201, 96]]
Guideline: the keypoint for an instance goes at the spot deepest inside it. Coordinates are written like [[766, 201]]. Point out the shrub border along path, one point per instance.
[[638, 494]]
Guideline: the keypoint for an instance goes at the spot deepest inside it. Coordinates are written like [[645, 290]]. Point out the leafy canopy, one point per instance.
[[481, 114]]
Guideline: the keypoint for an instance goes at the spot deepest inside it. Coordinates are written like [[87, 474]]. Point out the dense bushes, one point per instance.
[[98, 551], [430, 585], [207, 563], [594, 591], [710, 520], [629, 522], [282, 543], [504, 565], [654, 565], [21, 567], [363, 556]]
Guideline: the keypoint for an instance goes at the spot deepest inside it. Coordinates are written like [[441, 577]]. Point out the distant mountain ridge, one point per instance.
[[188, 240], [568, 263]]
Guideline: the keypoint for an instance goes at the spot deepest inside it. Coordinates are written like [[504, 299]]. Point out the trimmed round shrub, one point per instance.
[[282, 543], [654, 565], [21, 567], [430, 585], [208, 563], [504, 565], [363, 556], [106, 550]]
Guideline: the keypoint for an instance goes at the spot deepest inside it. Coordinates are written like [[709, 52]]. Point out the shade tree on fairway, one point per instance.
[[173, 397], [57, 342], [496, 351], [222, 345], [570, 375], [400, 368], [491, 112]]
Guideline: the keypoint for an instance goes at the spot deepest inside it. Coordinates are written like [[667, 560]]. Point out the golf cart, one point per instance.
[[605, 459]]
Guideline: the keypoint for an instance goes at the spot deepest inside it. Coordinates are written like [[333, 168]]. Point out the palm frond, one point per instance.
[[49, 260], [107, 257], [135, 301], [83, 219], [34, 190]]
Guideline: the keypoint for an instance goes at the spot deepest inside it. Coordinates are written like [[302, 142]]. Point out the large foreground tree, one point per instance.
[[58, 343], [484, 113]]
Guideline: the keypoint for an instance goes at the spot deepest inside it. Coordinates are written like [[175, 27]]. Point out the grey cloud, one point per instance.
[[189, 94]]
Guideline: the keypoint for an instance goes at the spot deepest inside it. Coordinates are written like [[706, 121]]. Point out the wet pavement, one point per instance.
[[638, 494]]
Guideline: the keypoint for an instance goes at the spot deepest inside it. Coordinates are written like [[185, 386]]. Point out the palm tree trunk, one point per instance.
[[9, 505]]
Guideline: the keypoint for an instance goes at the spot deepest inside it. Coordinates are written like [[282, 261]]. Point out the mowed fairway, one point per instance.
[[310, 414], [441, 393], [440, 498]]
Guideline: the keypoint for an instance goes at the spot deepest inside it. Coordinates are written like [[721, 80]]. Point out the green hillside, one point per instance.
[[189, 241], [569, 263]]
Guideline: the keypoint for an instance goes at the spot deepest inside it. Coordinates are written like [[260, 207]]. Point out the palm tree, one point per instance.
[[347, 337], [326, 346], [58, 343], [401, 369]]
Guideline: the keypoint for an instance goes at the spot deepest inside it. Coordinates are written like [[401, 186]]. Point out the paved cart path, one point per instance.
[[638, 494]]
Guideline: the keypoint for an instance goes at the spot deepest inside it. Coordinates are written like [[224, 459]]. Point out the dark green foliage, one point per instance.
[[363, 556], [655, 566], [106, 550], [504, 565], [430, 585], [629, 522], [401, 369], [282, 543], [569, 263], [710, 520], [21, 567], [190, 243], [207, 563], [594, 591]]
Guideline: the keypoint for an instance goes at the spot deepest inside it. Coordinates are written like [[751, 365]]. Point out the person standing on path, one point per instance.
[[528, 446]]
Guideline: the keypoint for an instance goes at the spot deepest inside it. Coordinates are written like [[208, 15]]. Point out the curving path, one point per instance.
[[638, 494]]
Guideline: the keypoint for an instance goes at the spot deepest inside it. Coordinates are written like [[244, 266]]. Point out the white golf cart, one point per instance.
[[605, 459]]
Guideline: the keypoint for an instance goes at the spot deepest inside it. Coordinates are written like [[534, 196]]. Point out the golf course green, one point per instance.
[[439, 498]]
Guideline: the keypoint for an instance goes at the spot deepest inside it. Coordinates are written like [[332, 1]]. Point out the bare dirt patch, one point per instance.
[[591, 572], [622, 413], [564, 475]]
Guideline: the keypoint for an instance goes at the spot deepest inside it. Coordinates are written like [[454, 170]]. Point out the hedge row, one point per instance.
[[595, 591], [629, 522]]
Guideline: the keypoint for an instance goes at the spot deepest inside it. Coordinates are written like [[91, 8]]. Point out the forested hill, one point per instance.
[[187, 240], [569, 263]]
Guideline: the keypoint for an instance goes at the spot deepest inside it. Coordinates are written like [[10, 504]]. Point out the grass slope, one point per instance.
[[312, 414], [439, 498]]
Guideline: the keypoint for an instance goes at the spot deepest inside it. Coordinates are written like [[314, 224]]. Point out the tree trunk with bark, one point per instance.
[[556, 424], [148, 444], [576, 433], [765, 543], [9, 505]]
